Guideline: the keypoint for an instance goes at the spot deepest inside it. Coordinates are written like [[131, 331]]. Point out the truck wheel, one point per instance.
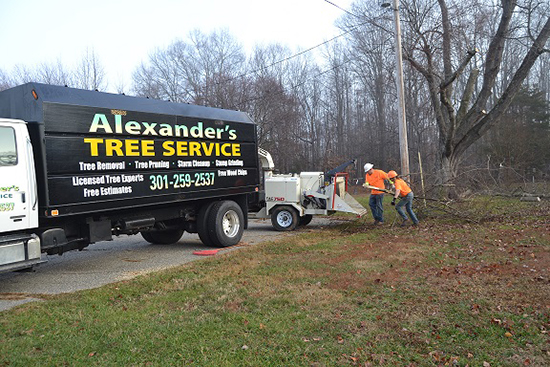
[[225, 223], [305, 220], [284, 218], [163, 237], [202, 223]]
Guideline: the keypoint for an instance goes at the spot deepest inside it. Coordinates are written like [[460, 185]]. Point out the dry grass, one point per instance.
[[448, 293]]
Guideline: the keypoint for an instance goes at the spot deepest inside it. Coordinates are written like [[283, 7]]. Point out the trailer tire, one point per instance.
[[305, 220], [166, 237], [225, 223], [284, 218], [202, 223]]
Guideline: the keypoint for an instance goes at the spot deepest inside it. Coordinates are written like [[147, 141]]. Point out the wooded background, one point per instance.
[[477, 89]]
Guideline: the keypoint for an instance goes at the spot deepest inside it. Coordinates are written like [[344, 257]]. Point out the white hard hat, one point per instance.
[[368, 166]]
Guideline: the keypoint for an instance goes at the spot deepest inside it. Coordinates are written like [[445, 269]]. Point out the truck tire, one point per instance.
[[305, 220], [163, 237], [225, 224], [202, 223], [284, 218]]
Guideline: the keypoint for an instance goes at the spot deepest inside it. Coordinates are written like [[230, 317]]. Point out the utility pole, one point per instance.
[[403, 144]]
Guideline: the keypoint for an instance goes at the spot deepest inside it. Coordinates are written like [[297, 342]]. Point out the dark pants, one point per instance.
[[376, 207]]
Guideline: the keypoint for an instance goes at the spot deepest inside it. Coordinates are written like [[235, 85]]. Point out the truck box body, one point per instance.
[[78, 166], [98, 151]]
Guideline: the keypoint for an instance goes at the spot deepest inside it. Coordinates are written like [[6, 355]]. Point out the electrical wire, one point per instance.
[[353, 28], [344, 10], [295, 55]]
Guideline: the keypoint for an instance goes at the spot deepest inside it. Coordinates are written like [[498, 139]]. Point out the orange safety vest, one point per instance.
[[376, 179]]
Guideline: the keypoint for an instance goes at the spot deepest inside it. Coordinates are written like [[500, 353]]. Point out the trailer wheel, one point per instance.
[[225, 223], [305, 220], [163, 237], [284, 218], [202, 223]]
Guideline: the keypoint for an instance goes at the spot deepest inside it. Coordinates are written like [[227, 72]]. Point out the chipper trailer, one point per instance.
[[291, 200]]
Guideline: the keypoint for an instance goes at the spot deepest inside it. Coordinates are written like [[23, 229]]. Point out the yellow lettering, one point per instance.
[[181, 148], [94, 145], [236, 150], [132, 148], [168, 147], [194, 149], [208, 148], [224, 149], [113, 146], [147, 148]]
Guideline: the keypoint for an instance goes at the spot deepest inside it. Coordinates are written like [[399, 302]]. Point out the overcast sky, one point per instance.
[[122, 33]]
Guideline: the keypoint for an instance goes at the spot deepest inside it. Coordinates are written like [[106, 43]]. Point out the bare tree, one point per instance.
[[160, 78], [90, 73], [55, 74], [48, 73], [308, 89], [373, 67], [274, 106], [463, 112], [202, 70], [5, 80]]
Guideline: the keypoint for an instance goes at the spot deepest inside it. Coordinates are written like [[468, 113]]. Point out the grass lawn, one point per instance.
[[451, 292]]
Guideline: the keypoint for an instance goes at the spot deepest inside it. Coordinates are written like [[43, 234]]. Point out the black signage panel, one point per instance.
[[98, 154], [61, 118], [66, 118], [106, 187], [80, 155]]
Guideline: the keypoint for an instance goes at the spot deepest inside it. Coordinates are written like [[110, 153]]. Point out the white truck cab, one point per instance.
[[18, 197]]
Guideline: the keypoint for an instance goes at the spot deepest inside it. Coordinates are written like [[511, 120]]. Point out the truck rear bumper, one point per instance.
[[19, 252]]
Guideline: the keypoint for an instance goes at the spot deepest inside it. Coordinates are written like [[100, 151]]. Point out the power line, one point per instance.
[[344, 10], [295, 55], [307, 50]]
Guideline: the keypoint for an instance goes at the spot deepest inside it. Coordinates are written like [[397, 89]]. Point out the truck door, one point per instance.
[[18, 198]]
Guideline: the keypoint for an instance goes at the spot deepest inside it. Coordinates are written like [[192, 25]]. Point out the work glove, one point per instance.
[[365, 184], [393, 202]]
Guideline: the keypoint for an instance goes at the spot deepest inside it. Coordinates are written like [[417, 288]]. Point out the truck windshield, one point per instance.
[[8, 151]]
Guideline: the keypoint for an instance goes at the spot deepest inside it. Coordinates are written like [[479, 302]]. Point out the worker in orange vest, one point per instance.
[[376, 178], [404, 192]]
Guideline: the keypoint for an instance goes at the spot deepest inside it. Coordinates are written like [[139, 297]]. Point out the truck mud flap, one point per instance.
[[54, 241]]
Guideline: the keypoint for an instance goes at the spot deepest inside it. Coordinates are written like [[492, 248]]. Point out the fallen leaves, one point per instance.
[[440, 357]]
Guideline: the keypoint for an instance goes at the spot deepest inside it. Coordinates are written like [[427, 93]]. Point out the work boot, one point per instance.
[[405, 223]]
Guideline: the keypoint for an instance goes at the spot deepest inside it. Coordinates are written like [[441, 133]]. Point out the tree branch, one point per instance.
[[494, 54], [467, 95], [451, 78], [485, 123]]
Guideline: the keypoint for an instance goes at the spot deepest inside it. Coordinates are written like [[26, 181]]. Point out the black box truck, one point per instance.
[[78, 166]]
